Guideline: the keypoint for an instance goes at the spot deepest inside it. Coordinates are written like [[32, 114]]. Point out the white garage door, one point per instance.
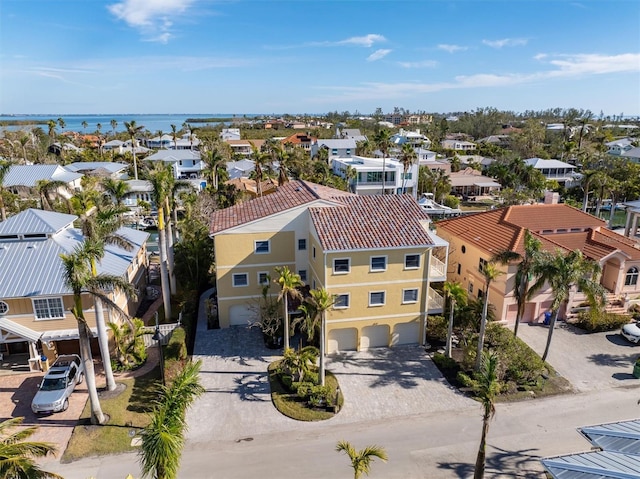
[[374, 337], [241, 315], [406, 333], [345, 339]]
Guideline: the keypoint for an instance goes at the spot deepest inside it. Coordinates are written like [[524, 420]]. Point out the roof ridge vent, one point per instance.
[[32, 246]]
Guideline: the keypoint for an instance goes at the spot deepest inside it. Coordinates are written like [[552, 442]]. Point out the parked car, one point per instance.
[[58, 384], [631, 332]]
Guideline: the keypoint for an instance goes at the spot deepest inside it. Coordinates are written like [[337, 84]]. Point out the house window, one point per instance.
[[314, 252], [262, 247], [348, 151], [459, 268], [302, 244], [4, 308], [341, 266], [412, 261], [631, 279], [303, 274], [341, 301], [376, 298], [463, 249], [407, 176], [470, 288], [482, 264], [240, 279], [263, 277], [409, 295], [378, 263], [48, 308], [334, 151]]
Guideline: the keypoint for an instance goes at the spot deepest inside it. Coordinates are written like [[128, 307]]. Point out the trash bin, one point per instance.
[[547, 317], [636, 370], [44, 362]]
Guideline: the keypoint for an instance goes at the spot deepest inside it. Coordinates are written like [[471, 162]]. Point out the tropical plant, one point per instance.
[[261, 161], [361, 460], [116, 189], [5, 166], [524, 271], [128, 339], [457, 296], [163, 439], [490, 272], [486, 391], [382, 140], [408, 157], [17, 456], [48, 190], [299, 363], [316, 306], [78, 277], [289, 282], [132, 130], [562, 272]]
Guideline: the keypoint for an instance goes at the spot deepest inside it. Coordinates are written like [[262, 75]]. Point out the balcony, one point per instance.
[[436, 302], [437, 270]]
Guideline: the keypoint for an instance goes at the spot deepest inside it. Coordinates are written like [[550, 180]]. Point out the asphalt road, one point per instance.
[[437, 445]]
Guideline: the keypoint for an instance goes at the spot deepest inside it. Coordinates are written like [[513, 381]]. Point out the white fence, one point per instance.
[[165, 333]]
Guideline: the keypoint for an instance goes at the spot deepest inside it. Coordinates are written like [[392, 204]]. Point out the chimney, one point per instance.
[[551, 198]]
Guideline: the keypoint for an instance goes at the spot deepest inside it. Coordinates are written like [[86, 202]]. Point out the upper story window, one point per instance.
[[303, 275], [341, 301], [378, 263], [410, 295], [262, 247], [376, 298], [48, 308], [482, 264], [334, 151], [631, 279], [341, 266], [4, 308], [411, 261], [240, 279], [314, 252], [348, 151], [302, 244], [263, 277]]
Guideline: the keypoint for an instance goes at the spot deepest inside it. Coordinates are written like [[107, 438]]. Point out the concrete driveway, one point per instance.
[[588, 361], [376, 385]]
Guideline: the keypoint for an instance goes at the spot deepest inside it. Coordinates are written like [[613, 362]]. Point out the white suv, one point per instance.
[[58, 384]]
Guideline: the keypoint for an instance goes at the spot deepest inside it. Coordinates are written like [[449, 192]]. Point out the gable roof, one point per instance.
[[556, 226], [33, 221], [28, 175], [371, 222], [174, 155], [540, 163], [90, 166], [290, 195]]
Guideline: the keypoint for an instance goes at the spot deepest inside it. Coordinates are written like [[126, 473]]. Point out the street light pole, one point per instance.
[[157, 336]]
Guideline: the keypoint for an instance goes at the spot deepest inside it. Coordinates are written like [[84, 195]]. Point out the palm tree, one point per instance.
[[261, 161], [163, 439], [49, 189], [457, 296], [79, 279], [361, 460], [174, 134], [17, 455], [487, 389], [114, 125], [289, 282], [84, 126], [562, 272], [408, 157], [116, 189], [5, 166], [132, 130], [524, 272], [490, 273], [382, 140], [159, 177], [51, 124], [318, 304], [588, 177]]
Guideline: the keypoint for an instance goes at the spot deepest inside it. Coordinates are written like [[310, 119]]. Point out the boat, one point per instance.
[[428, 204]]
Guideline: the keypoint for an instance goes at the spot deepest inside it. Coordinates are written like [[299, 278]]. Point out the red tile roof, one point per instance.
[[556, 226], [290, 195], [371, 222]]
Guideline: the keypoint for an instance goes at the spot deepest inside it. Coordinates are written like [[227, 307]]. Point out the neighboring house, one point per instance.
[[414, 138], [21, 178], [368, 175], [425, 155], [248, 188], [115, 146], [57, 148], [632, 155], [458, 145], [166, 141], [474, 239], [618, 147], [419, 119], [99, 168], [350, 133], [34, 301], [185, 142], [503, 141], [632, 218], [186, 164], [244, 147], [429, 161], [299, 139], [472, 183], [336, 148], [240, 168], [350, 245], [139, 190], [230, 134], [555, 170]]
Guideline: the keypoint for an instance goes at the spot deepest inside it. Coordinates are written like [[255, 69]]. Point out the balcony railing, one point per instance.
[[438, 268], [436, 302]]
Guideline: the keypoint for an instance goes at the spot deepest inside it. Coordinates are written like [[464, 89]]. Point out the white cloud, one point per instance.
[[420, 64], [366, 41], [152, 17], [505, 42], [378, 54], [540, 56], [451, 48]]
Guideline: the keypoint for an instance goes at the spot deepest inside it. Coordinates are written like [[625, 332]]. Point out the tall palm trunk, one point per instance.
[[285, 302], [323, 326], [447, 350], [97, 416], [521, 305], [552, 325], [482, 450], [164, 273], [170, 253], [103, 338], [483, 328]]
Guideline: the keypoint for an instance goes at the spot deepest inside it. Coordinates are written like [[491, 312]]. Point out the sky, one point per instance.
[[303, 56]]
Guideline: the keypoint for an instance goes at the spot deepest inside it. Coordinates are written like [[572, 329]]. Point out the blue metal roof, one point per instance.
[[594, 465]]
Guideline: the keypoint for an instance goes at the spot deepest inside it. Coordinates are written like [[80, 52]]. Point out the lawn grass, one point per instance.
[[128, 411], [295, 407]]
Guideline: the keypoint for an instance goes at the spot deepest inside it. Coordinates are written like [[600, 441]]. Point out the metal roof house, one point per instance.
[[34, 300]]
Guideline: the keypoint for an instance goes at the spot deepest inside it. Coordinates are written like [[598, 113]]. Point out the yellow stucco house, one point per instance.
[[475, 238], [34, 301], [376, 254]]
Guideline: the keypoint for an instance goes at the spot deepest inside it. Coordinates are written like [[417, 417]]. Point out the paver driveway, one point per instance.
[[588, 361], [377, 385]]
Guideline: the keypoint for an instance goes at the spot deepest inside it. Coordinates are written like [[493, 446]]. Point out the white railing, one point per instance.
[[165, 334], [438, 268], [436, 301]]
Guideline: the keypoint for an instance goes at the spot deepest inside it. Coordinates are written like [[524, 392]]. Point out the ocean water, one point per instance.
[[152, 123]]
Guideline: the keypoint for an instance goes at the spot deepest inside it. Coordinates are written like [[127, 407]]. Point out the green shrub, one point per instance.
[[437, 328], [466, 380], [451, 201], [446, 364], [320, 395], [177, 347], [303, 389], [634, 311], [595, 321]]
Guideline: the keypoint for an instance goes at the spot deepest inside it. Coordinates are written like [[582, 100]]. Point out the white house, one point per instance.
[[186, 164], [99, 168], [555, 170], [27, 176], [351, 133], [458, 145], [618, 147], [230, 134], [368, 175], [414, 138], [342, 148], [240, 168]]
